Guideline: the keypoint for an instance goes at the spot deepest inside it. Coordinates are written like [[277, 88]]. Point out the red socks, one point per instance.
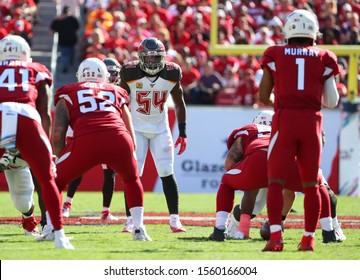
[[312, 206]]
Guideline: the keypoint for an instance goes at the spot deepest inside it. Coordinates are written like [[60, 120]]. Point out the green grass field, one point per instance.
[[106, 242]]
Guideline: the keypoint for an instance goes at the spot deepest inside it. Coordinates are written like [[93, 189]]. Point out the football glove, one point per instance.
[[182, 142]]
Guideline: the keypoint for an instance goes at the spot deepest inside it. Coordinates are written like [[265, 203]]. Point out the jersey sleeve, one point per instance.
[[42, 74], [331, 65], [268, 59], [61, 93]]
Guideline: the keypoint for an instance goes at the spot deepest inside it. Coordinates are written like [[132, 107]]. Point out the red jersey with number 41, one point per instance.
[[19, 81], [93, 107], [299, 73]]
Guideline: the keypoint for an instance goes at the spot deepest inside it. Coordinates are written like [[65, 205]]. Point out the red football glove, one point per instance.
[[182, 142]]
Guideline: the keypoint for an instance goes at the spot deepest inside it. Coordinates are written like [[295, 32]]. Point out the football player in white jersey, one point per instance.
[[149, 82], [21, 188]]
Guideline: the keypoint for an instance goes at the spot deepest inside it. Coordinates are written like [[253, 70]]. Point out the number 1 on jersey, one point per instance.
[[301, 73]]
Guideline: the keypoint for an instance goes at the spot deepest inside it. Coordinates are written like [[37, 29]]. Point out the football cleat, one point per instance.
[[128, 226], [340, 236], [30, 226], [275, 243], [107, 216], [66, 209], [218, 235], [175, 224], [61, 241], [307, 243], [47, 234], [329, 236], [139, 234], [232, 229]]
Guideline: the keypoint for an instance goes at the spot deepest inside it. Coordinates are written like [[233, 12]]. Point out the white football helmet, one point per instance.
[[14, 47], [92, 70], [301, 23], [264, 117]]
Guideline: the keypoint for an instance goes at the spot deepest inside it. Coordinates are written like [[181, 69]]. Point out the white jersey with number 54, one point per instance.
[[148, 95]]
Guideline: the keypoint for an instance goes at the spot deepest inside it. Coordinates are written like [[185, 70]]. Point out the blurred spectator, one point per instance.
[[19, 29], [353, 21], [190, 78], [263, 37], [179, 8], [201, 59], [226, 62], [199, 26], [225, 25], [178, 35], [277, 34], [25, 27], [158, 10], [197, 44], [327, 9], [244, 26], [330, 24], [284, 9], [133, 13], [67, 26], [74, 6], [209, 85], [268, 18], [95, 38], [116, 38], [328, 38], [28, 8], [95, 51], [247, 91], [99, 14], [354, 37], [92, 5], [254, 8]]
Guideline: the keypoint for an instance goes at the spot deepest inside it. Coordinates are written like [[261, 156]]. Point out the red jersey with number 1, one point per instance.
[[93, 107], [299, 73]]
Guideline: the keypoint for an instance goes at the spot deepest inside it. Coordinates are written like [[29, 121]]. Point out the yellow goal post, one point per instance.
[[351, 51]]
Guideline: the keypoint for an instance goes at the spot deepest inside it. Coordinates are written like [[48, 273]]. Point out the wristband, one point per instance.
[[182, 130]]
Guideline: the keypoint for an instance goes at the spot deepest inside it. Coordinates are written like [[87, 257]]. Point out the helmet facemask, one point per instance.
[[151, 54]]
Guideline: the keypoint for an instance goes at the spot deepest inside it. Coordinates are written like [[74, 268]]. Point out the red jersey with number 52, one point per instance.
[[93, 107], [19, 81], [299, 73]]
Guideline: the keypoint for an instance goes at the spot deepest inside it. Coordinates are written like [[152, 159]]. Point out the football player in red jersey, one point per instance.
[[248, 152], [103, 134], [247, 148], [150, 81], [302, 78], [113, 67], [25, 121]]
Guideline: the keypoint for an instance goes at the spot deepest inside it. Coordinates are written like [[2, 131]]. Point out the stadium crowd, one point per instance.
[[115, 28]]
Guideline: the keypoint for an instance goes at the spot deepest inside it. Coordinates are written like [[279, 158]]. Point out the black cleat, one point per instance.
[[329, 236], [218, 235]]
